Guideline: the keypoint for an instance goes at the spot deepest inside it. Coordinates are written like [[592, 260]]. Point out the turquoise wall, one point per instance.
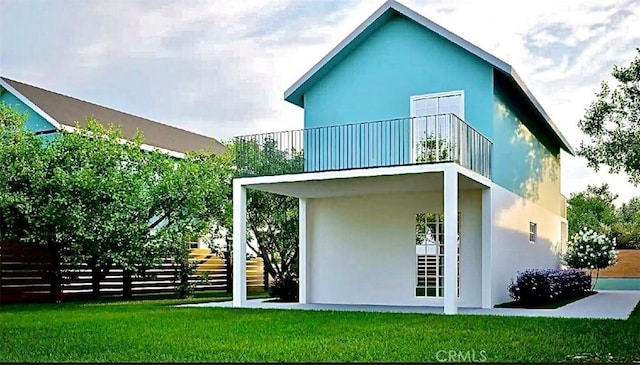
[[375, 82], [400, 59], [34, 122], [397, 61], [525, 160]]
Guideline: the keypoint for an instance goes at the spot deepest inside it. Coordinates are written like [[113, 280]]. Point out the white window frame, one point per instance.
[[413, 98], [459, 258], [533, 232], [412, 111]]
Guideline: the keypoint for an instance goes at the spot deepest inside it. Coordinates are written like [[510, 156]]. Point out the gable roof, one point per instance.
[[295, 93], [64, 111]]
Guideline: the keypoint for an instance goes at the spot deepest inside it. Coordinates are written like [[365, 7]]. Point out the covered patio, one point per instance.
[[347, 260]]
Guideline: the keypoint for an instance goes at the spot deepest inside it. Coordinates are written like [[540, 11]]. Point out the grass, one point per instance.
[[156, 331], [554, 305]]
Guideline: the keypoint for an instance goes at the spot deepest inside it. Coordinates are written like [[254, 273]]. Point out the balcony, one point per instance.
[[395, 142]]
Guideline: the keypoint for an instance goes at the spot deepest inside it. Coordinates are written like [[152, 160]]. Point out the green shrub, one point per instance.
[[285, 288], [536, 287]]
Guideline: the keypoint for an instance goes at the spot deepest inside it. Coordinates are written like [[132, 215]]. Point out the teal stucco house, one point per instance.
[[427, 172]]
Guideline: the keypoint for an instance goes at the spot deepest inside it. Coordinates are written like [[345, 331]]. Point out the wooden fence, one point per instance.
[[27, 275], [628, 265]]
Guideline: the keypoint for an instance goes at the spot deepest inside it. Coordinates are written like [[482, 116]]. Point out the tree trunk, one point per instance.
[[127, 283], [56, 275], [184, 280], [266, 276], [95, 281], [229, 271], [268, 265], [593, 285]]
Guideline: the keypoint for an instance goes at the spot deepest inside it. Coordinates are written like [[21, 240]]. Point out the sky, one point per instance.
[[220, 67]]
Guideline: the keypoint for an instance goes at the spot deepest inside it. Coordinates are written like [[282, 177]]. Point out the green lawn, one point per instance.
[[153, 330]]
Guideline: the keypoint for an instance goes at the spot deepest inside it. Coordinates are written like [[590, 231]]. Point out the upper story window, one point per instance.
[[533, 232]]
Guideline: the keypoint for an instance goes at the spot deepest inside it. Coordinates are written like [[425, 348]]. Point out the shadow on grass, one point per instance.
[[154, 299], [554, 305]]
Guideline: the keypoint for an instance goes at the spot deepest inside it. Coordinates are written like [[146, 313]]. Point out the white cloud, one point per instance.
[[225, 64]]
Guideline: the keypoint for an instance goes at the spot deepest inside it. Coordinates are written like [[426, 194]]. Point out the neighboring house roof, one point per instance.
[[64, 111], [390, 8]]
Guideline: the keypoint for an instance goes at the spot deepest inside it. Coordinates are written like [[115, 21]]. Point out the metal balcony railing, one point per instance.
[[395, 142]]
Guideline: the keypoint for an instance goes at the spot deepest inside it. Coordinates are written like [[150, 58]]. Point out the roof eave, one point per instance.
[[564, 143], [294, 93], [71, 128], [30, 104]]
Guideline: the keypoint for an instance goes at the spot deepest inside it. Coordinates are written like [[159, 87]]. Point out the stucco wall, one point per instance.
[[362, 249], [511, 249], [524, 163], [376, 80], [34, 121]]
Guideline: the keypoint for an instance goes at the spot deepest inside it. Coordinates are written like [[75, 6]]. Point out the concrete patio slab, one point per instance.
[[603, 305]]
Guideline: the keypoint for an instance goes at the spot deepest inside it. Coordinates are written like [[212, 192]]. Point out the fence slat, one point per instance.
[[25, 275]]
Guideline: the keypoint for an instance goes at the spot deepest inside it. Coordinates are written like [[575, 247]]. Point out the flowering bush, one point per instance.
[[590, 250], [535, 286]]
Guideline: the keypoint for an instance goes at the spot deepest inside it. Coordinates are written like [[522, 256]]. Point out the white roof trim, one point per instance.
[[541, 110], [30, 104], [337, 49], [69, 128], [394, 5], [475, 50]]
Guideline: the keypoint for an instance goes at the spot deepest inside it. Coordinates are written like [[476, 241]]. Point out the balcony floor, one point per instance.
[[415, 178]]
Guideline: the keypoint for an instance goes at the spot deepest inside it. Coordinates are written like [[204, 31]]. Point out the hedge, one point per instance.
[[542, 286]]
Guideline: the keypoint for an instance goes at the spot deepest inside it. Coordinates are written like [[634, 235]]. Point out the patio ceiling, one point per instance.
[[414, 182]]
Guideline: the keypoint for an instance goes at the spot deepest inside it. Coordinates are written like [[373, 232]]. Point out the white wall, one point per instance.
[[511, 249], [362, 249]]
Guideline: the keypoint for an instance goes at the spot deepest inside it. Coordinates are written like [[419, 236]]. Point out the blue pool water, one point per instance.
[[617, 284]]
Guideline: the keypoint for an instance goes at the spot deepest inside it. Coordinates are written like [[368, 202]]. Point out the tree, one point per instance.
[[90, 196], [223, 216], [430, 149], [24, 174], [272, 220], [612, 122], [187, 199], [103, 184], [21, 154], [592, 208], [627, 229], [591, 251]]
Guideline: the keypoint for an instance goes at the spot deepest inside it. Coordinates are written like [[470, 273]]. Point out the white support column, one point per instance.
[[239, 244], [450, 240], [302, 254], [487, 223]]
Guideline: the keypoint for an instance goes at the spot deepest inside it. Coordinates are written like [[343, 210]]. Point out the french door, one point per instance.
[[432, 128]]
